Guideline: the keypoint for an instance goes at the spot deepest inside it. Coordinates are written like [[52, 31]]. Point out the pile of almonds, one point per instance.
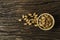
[[44, 21]]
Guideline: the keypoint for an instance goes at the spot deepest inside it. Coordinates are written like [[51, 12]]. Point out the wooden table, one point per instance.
[[12, 10]]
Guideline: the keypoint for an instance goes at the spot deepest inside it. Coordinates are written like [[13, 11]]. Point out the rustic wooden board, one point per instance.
[[12, 29]]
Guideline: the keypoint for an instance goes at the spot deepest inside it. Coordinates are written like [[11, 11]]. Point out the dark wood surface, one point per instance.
[[12, 29]]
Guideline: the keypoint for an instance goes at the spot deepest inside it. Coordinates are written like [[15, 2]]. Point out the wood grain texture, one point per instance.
[[12, 29]]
